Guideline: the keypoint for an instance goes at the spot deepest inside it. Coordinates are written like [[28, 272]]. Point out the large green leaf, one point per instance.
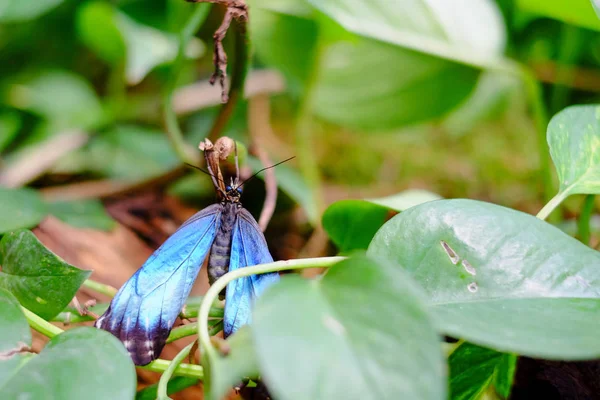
[[14, 330], [578, 12], [15, 337], [474, 369], [361, 332], [96, 27], [83, 214], [574, 140], [38, 278], [21, 208], [467, 32], [81, 363], [408, 86], [498, 277], [66, 100], [351, 224], [17, 11]]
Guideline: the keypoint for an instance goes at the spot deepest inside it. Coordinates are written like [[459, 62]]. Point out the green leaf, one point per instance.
[[21, 208], [574, 141], [230, 370], [579, 12], [39, 279], [362, 331], [351, 224], [424, 87], [14, 330], [83, 214], [79, 363], [472, 370], [66, 100], [498, 277], [97, 29], [176, 384], [18, 11]]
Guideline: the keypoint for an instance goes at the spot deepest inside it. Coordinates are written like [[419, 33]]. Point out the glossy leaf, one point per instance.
[[18, 11], [39, 279], [362, 332], [351, 224], [83, 214], [473, 370], [77, 106], [471, 33], [79, 363], [574, 140], [579, 12], [498, 277], [230, 370], [15, 334], [21, 208]]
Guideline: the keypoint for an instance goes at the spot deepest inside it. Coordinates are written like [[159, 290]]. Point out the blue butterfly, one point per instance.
[[143, 311]]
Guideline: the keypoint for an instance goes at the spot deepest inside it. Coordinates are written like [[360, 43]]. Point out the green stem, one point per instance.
[[189, 370], [552, 204], [174, 133], [41, 325], [164, 379], [189, 330], [221, 283], [583, 224], [100, 287]]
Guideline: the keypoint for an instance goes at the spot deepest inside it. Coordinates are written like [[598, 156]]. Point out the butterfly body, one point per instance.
[[144, 310]]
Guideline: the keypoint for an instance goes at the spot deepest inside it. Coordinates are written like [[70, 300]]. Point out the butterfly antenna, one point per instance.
[[266, 168], [237, 164], [214, 178]]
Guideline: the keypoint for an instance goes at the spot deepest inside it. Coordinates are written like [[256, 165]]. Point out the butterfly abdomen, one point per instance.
[[220, 251]]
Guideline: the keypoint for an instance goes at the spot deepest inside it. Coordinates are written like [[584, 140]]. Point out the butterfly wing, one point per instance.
[[145, 308], [248, 247]]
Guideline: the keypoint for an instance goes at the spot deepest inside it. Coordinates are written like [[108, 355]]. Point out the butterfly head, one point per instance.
[[233, 191]]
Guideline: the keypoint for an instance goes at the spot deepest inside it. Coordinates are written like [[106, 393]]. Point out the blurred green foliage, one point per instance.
[[425, 95]]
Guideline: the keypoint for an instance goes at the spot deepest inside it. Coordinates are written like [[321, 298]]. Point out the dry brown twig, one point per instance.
[[238, 10]]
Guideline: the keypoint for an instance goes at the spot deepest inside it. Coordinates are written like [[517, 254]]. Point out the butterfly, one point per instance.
[[144, 310]]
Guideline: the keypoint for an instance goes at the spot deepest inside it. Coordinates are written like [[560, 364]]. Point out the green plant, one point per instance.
[[503, 282]]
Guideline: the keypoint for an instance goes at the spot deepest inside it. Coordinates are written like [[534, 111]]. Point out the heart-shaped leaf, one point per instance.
[[498, 277], [574, 140], [351, 224], [579, 12], [21, 208], [38, 278], [474, 369], [361, 331], [79, 363]]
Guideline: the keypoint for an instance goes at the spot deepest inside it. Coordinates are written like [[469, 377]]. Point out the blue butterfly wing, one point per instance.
[[248, 247], [143, 311]]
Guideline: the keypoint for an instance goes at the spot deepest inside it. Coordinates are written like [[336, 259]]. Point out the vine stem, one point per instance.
[[552, 204], [221, 283], [100, 287], [164, 379]]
